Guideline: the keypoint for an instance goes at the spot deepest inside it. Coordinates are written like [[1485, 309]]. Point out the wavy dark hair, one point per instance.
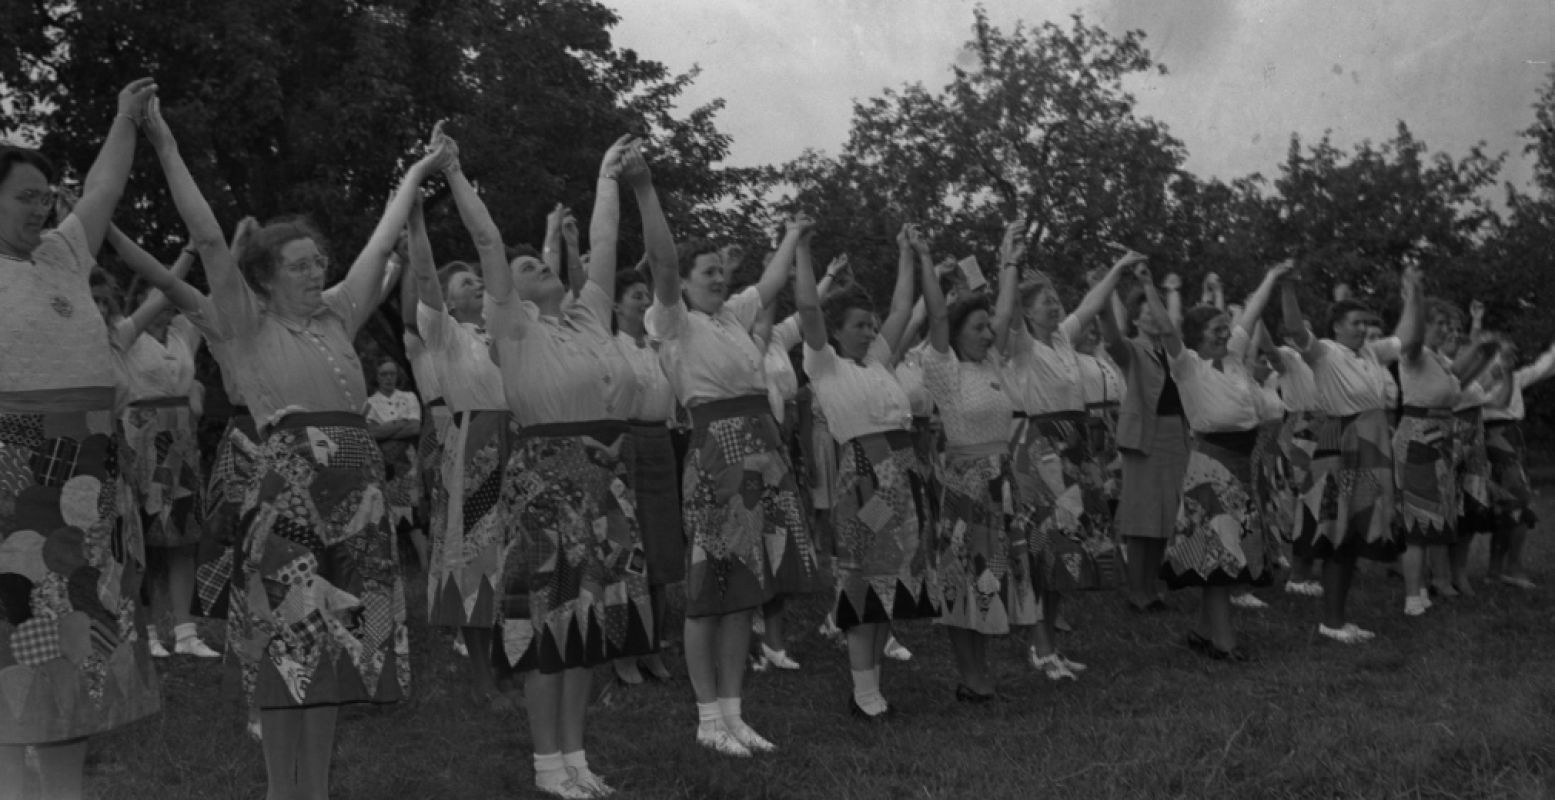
[[688, 251], [1344, 308], [961, 311], [1195, 321], [11, 155]]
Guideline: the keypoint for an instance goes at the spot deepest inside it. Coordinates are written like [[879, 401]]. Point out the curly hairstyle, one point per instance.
[[261, 256], [961, 311]]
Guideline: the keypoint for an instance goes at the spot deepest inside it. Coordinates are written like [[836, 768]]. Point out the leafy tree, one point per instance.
[[1038, 125], [314, 106]]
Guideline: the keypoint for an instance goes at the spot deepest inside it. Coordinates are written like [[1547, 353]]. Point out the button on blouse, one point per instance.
[[462, 352]]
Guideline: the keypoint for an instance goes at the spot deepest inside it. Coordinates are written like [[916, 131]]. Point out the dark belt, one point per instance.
[[460, 416], [161, 402], [1431, 413], [749, 405], [894, 439], [320, 419], [438, 403], [1235, 441]]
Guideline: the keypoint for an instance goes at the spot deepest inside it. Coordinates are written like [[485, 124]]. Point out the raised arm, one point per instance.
[[621, 162], [1212, 292], [1542, 367], [934, 306], [166, 283], [1005, 313], [414, 286], [577, 271], [776, 274], [1476, 318], [1095, 300], [551, 251], [894, 328], [807, 297], [1472, 361], [1411, 322], [104, 183], [1171, 337], [1291, 318], [365, 277], [1172, 285], [1260, 296], [483, 232]]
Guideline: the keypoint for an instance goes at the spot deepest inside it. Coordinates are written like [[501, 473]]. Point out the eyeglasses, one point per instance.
[[41, 198], [308, 264]]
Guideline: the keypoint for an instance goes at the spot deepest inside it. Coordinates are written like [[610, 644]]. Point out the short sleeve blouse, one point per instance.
[[423, 367], [974, 406], [565, 368], [1427, 381], [54, 338], [1350, 382], [1215, 400], [401, 405], [462, 351], [909, 373], [655, 398], [778, 366], [295, 366], [710, 356], [163, 369], [1043, 377], [857, 399]]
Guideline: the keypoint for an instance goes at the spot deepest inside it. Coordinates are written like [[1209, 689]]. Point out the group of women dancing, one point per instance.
[[964, 456]]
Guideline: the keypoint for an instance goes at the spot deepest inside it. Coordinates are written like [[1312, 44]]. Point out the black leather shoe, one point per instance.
[[1198, 643], [965, 694]]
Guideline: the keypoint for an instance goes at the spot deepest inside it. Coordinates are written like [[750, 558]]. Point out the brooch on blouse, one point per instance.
[[995, 386], [62, 306]]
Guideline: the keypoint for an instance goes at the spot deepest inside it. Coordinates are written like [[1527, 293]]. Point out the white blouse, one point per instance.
[[1348, 382], [909, 373], [655, 398], [465, 372], [565, 368], [1297, 391], [401, 405], [1428, 382], [423, 367], [1044, 378], [778, 366], [1472, 397], [155, 369], [973, 404], [1100, 381], [1541, 368], [857, 399], [1216, 400], [54, 338], [710, 357]]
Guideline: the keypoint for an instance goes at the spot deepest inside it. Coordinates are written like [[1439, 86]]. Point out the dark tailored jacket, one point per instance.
[[1145, 377]]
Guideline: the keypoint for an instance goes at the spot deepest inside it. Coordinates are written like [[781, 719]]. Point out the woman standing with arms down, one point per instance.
[[573, 577], [739, 499], [62, 524], [882, 507]]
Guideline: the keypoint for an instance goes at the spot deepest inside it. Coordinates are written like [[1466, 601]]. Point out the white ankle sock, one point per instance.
[[550, 769], [185, 630], [151, 633], [709, 714], [577, 760], [866, 691], [729, 709]]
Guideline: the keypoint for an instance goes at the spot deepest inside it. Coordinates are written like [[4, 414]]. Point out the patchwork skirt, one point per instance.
[[1273, 494], [1220, 538], [1062, 504], [1347, 506], [163, 467], [1425, 457], [881, 519], [320, 604], [1509, 489], [232, 471], [464, 573], [1298, 442], [981, 561], [73, 657], [402, 479], [1477, 514], [574, 575], [745, 525]]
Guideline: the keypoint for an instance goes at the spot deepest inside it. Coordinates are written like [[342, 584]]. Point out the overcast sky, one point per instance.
[[1244, 74]]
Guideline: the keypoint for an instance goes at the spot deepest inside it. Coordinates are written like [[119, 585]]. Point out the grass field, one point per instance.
[[1459, 703]]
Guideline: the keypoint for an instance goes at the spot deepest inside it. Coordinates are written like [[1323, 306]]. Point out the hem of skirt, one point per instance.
[[905, 604], [1217, 577], [543, 655]]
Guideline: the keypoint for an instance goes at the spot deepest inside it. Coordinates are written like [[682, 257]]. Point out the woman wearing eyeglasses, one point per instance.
[[77, 656]]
